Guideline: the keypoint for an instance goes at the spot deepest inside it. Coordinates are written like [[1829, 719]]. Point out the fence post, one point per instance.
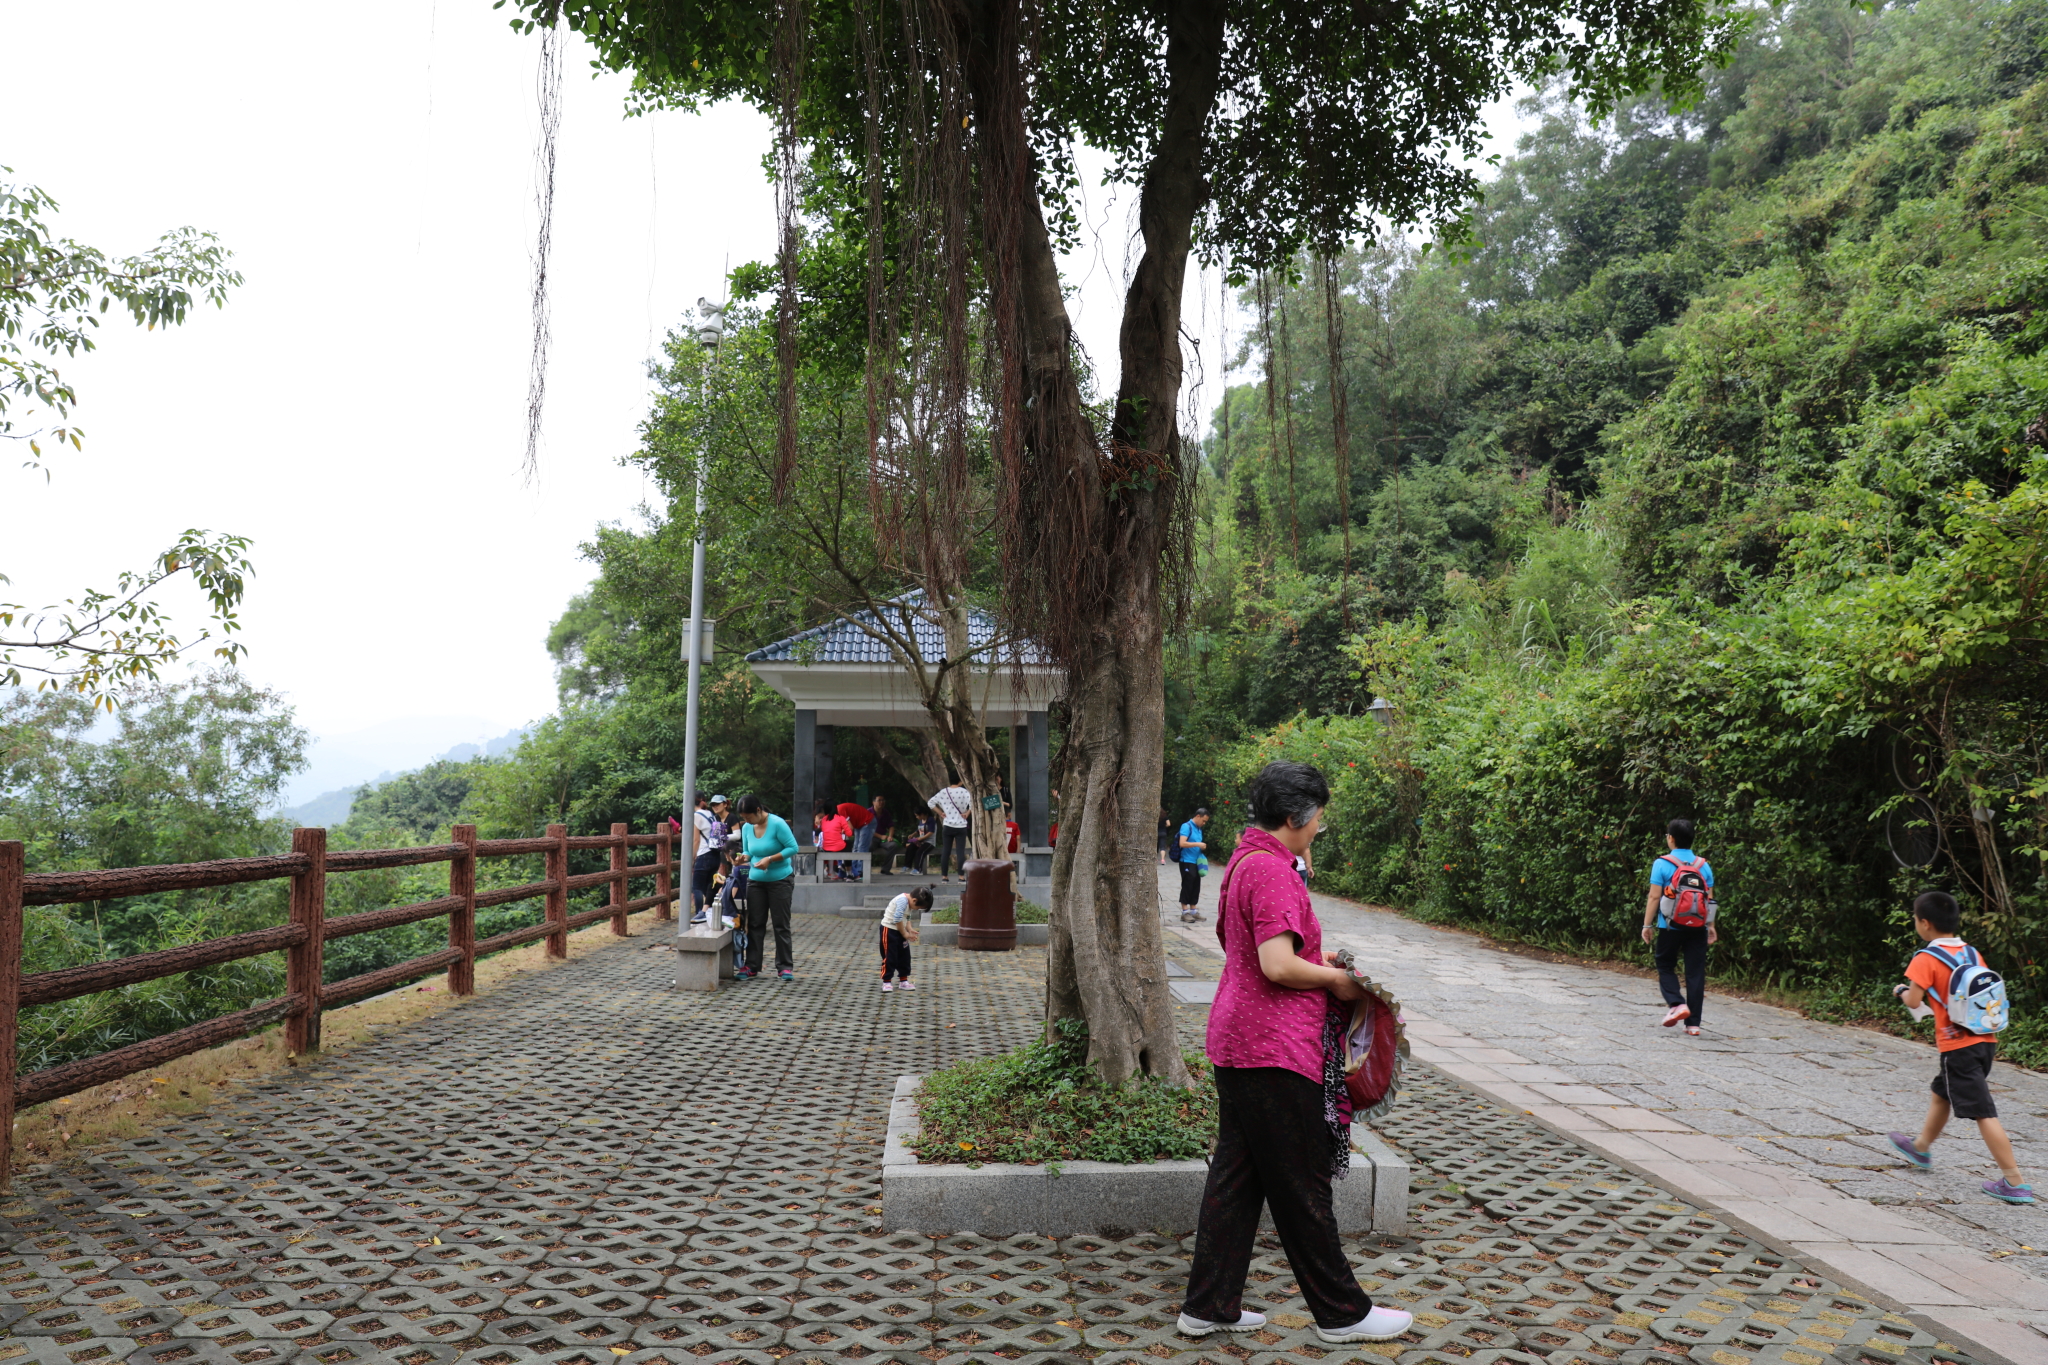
[[558, 891], [462, 919], [303, 964], [619, 929], [662, 882], [12, 865]]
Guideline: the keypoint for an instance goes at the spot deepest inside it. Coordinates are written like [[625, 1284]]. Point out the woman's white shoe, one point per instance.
[[1247, 1321], [1381, 1324]]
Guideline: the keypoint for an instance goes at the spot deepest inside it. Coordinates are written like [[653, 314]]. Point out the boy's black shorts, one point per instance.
[[1965, 1080]]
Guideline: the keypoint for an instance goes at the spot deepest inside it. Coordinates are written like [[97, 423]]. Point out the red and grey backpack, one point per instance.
[[1688, 900]]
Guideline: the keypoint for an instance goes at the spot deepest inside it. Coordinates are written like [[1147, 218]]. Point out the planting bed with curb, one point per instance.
[[1112, 1199]]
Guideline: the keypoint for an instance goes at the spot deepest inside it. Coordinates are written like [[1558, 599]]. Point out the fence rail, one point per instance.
[[307, 867]]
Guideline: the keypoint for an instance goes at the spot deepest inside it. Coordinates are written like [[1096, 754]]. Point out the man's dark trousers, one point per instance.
[[1692, 943]]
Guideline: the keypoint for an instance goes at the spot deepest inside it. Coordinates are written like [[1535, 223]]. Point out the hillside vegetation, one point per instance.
[[1709, 478]]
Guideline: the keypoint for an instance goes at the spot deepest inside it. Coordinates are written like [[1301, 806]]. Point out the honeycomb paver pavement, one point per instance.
[[586, 1166]]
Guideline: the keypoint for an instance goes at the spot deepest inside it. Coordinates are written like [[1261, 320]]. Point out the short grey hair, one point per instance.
[[1288, 792]]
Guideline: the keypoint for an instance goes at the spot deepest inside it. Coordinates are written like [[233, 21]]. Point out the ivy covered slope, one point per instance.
[[1811, 519]]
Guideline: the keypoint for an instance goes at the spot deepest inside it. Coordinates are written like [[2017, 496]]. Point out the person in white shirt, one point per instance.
[[707, 853], [898, 933], [953, 805]]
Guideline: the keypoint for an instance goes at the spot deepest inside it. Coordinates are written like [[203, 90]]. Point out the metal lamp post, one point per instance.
[[710, 331]]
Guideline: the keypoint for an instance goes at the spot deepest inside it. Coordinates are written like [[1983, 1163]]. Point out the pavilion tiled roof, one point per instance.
[[843, 642]]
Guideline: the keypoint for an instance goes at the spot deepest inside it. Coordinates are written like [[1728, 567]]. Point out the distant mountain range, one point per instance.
[[331, 807]]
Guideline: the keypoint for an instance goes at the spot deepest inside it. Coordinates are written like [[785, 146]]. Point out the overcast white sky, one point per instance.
[[358, 407]]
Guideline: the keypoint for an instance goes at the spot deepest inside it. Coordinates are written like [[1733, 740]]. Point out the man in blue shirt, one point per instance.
[[1191, 850], [1672, 903]]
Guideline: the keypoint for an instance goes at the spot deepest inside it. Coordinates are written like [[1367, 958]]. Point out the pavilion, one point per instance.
[[839, 674]]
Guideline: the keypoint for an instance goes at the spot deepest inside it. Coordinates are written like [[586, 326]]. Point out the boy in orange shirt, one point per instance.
[[1963, 1085]]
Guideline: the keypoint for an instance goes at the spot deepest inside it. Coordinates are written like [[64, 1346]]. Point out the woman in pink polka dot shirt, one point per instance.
[[1284, 1119]]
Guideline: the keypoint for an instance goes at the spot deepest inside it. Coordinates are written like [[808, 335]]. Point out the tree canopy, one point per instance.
[[53, 294]]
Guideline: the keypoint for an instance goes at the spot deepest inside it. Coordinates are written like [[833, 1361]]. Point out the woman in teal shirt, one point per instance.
[[771, 860]]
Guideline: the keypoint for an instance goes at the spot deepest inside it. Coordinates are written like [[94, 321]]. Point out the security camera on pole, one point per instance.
[[704, 952]]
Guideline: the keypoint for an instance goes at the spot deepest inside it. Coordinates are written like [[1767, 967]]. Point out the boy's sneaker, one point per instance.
[[1678, 1012], [1247, 1321], [2002, 1188], [1381, 1324], [1903, 1145], [906, 984], [787, 975], [887, 987]]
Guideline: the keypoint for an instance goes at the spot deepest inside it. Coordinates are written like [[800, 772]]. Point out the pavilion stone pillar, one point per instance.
[[1033, 786], [821, 768], [806, 776]]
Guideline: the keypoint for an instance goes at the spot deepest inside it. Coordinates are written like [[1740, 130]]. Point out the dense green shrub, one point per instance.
[[1043, 1103]]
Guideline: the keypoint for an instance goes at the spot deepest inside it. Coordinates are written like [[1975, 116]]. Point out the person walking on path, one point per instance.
[[953, 805], [1168, 851], [1962, 1083], [1283, 1114], [1678, 920], [771, 863], [899, 931], [1192, 851]]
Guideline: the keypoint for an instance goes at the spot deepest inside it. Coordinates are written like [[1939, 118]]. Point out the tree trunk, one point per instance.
[[963, 731], [1106, 963]]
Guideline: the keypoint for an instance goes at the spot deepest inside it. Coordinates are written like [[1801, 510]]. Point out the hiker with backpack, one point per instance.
[[1968, 1000], [1678, 920]]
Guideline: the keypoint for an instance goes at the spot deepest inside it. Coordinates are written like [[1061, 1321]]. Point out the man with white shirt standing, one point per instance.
[[707, 853], [954, 806]]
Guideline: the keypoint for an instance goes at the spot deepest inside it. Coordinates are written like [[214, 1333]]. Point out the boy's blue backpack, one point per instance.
[[1976, 994]]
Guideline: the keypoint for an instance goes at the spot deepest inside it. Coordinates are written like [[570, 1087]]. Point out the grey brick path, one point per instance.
[[1769, 1117], [584, 1166]]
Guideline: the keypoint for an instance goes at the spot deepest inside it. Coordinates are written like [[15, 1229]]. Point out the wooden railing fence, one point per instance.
[[302, 939]]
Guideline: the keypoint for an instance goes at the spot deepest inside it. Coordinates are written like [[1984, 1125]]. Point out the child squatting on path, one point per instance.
[[1963, 1084], [898, 933]]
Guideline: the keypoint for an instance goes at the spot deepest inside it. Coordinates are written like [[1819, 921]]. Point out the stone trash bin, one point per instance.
[[988, 907], [703, 961]]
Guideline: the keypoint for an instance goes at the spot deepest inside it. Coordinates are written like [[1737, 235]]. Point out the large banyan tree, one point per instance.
[[938, 137]]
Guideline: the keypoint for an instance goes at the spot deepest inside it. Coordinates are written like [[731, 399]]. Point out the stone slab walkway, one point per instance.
[[587, 1167], [1773, 1121]]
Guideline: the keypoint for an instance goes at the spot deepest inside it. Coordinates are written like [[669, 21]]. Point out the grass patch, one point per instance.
[[1028, 912], [1043, 1104]]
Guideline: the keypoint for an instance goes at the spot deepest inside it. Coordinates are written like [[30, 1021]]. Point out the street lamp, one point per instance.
[[710, 330], [1382, 711]]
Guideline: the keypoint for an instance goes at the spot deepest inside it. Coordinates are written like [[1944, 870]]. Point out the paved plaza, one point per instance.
[[585, 1166]]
